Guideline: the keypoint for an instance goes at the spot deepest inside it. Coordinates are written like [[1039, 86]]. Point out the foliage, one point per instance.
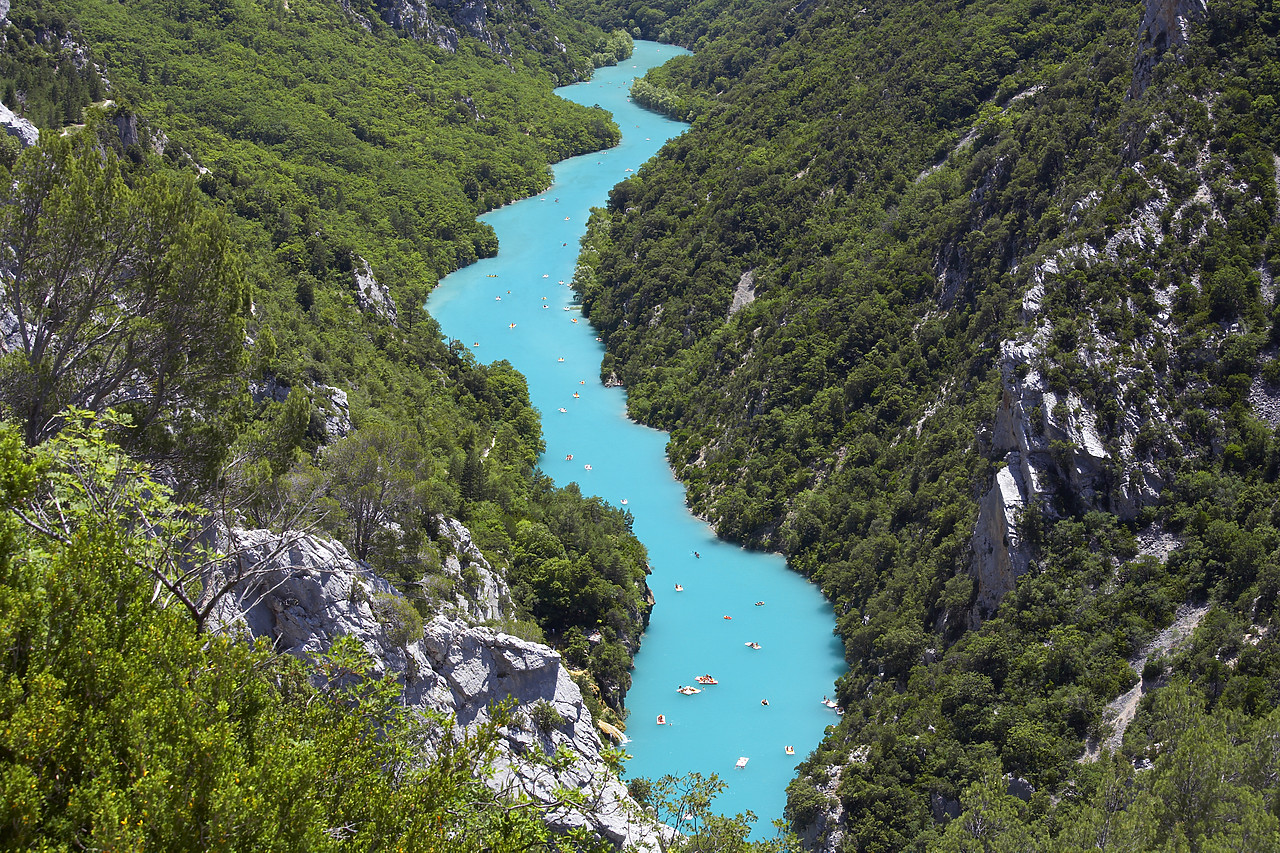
[[685, 803], [324, 138], [402, 623], [124, 728], [130, 297], [43, 78], [814, 291]]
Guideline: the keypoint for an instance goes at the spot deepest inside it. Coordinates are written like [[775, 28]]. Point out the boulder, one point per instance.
[[303, 592], [15, 125]]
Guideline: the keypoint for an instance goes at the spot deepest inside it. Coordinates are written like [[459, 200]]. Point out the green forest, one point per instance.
[[907, 252], [889, 183], [180, 298]]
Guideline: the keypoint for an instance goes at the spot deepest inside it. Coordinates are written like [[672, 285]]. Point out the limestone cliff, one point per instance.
[[1165, 25], [1111, 444], [443, 22], [306, 591]]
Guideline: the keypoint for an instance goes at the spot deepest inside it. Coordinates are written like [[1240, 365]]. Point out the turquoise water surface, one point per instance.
[[518, 307]]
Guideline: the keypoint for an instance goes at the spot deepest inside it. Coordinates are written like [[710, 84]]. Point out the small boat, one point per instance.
[[697, 555], [742, 759], [728, 617], [624, 500], [575, 395], [687, 689], [563, 409], [764, 702], [546, 306], [753, 645], [587, 467], [512, 326], [759, 604], [568, 458], [497, 299], [839, 711], [679, 588], [828, 702], [791, 750], [493, 275], [583, 381], [558, 359], [662, 719], [476, 344], [574, 320], [546, 275], [706, 679]]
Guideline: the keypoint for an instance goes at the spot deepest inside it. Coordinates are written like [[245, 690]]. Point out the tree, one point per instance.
[[377, 474], [114, 296]]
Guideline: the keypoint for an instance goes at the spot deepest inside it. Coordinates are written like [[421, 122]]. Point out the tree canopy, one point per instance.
[[130, 297]]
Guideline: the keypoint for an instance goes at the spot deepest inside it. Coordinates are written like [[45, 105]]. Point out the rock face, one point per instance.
[[15, 125], [372, 297], [305, 592], [745, 293], [426, 20], [330, 402], [478, 594], [1165, 24]]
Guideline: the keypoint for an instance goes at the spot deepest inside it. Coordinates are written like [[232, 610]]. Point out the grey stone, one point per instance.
[[304, 592], [15, 125], [1165, 24], [372, 297]]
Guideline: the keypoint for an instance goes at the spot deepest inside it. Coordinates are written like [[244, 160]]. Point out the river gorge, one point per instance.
[[715, 602]]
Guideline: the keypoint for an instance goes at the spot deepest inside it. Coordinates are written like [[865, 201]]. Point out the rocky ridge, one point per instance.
[[1048, 443], [303, 592]]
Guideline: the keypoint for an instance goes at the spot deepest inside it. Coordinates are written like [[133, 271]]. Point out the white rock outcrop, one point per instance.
[[371, 296], [304, 592], [478, 593], [1051, 456], [1165, 24], [330, 402], [744, 294], [15, 125]]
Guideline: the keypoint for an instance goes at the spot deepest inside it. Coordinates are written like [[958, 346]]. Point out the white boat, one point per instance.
[[742, 762], [688, 690]]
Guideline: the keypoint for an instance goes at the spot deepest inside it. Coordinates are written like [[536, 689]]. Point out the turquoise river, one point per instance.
[[518, 306]]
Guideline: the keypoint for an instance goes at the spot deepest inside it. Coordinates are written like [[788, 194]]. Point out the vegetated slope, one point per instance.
[[352, 160], [126, 728], [347, 162], [968, 308]]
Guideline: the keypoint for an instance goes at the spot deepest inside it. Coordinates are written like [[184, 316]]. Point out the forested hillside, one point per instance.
[[347, 162], [968, 308], [214, 266]]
